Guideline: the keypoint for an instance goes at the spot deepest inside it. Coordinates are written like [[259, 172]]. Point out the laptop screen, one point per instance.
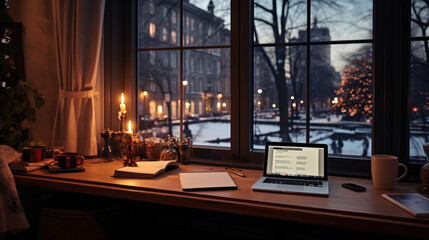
[[296, 160]]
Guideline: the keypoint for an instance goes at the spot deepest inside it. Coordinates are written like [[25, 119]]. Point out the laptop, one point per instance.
[[295, 168]]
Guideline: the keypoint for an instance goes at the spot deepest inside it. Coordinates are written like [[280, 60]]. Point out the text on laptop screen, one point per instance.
[[295, 161]]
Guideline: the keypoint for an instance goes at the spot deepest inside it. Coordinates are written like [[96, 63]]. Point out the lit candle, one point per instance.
[[129, 127], [122, 105]]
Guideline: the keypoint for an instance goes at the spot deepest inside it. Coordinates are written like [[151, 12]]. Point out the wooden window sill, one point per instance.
[[366, 211]]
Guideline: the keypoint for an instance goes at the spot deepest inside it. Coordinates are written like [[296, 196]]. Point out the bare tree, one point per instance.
[[420, 19], [280, 18], [277, 23]]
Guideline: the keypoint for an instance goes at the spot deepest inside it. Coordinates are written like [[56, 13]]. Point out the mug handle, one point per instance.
[[79, 160], [405, 173]]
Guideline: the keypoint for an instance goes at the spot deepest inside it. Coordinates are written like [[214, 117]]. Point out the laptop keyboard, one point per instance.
[[294, 182]]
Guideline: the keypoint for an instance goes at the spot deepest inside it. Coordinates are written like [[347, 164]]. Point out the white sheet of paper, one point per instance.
[[206, 180]]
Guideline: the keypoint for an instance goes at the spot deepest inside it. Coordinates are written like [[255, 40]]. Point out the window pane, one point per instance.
[[206, 88], [419, 98], [279, 92], [206, 22], [341, 98], [158, 23], [269, 31], [341, 20], [419, 18], [158, 92], [205, 75]]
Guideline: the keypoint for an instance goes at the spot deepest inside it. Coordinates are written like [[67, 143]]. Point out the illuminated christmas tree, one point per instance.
[[354, 97]]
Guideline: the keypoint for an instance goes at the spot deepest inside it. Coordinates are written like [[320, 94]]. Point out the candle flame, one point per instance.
[[122, 98], [129, 126]]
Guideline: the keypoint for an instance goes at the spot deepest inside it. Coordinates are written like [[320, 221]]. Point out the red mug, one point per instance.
[[33, 154], [69, 160]]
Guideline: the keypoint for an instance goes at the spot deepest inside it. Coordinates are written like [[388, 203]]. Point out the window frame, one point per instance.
[[391, 51]]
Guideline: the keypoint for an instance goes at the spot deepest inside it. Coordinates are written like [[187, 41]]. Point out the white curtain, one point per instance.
[[78, 34]]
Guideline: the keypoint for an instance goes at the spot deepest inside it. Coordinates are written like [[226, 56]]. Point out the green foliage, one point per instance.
[[18, 100]]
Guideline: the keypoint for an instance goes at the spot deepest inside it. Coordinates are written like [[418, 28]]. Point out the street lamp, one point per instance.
[[219, 98], [144, 101], [259, 101]]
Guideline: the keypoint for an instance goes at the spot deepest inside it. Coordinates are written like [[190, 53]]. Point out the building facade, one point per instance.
[[205, 70]]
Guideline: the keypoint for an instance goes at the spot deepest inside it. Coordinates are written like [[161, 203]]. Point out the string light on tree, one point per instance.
[[354, 97]]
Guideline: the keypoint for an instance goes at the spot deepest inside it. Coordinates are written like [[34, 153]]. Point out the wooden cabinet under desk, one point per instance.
[[343, 208]]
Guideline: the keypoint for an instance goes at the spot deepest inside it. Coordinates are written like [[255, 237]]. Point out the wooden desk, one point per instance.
[[343, 208]]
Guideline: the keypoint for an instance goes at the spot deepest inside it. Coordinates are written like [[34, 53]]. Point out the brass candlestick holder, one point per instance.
[[106, 151], [122, 114]]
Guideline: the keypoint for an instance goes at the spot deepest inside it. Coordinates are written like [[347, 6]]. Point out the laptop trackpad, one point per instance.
[[292, 188]]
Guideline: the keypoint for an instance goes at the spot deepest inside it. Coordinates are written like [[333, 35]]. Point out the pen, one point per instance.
[[235, 172]]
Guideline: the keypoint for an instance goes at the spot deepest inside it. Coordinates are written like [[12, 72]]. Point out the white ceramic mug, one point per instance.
[[384, 170]]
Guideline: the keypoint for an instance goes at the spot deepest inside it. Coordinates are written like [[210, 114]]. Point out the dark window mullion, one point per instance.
[[307, 77], [181, 70]]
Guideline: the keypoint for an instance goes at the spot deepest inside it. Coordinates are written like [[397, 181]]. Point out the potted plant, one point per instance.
[[18, 100]]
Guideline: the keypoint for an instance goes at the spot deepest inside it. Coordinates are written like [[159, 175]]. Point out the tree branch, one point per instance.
[[263, 21], [264, 53], [263, 8]]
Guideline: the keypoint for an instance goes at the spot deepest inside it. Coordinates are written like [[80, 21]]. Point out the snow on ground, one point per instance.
[[203, 132], [207, 131]]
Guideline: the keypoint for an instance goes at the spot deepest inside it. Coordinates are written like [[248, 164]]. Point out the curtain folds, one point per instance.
[[78, 27]]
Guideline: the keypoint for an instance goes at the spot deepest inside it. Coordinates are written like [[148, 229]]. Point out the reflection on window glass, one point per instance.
[[205, 73], [331, 91]]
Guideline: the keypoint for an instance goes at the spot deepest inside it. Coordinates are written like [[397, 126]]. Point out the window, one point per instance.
[[419, 79], [312, 78], [329, 72], [201, 119], [173, 17], [173, 37], [164, 34]]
